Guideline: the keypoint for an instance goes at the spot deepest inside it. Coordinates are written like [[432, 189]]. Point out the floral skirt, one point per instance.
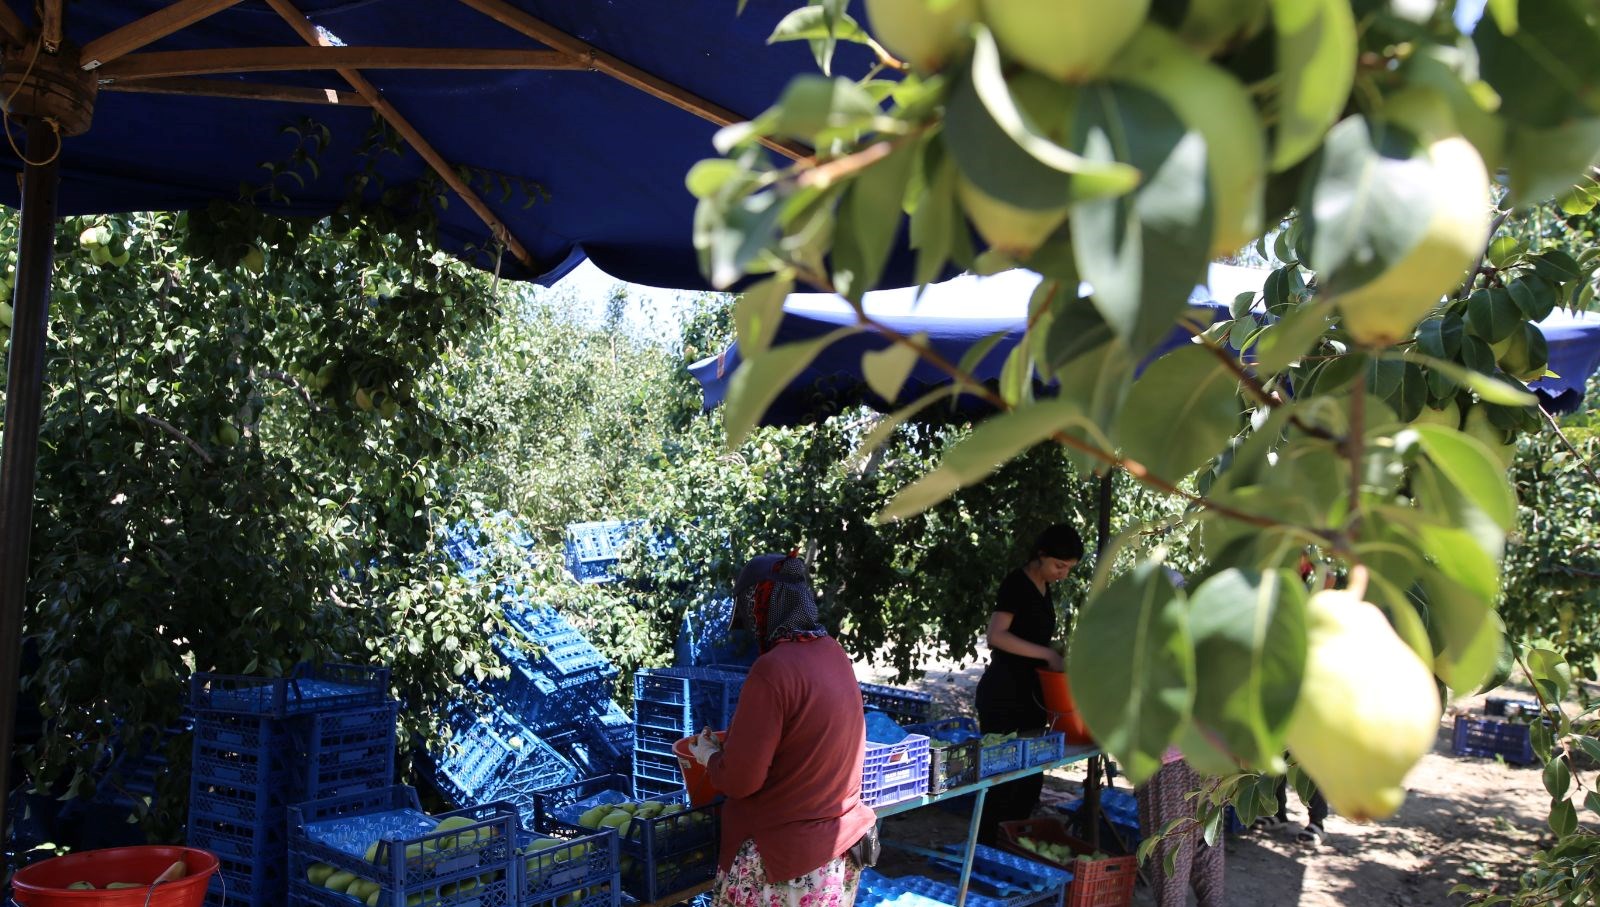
[[745, 884]]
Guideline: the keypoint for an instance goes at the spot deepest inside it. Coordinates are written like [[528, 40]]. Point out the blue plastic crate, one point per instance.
[[992, 759], [891, 772], [473, 864], [1510, 707], [710, 695], [659, 856], [656, 767], [1003, 869], [548, 867], [904, 706], [953, 753], [603, 894], [497, 758], [706, 637], [593, 549], [645, 788], [1042, 749], [308, 689], [1491, 737], [656, 740], [247, 882]]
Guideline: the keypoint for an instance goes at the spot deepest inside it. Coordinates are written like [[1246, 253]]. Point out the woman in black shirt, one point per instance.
[[1020, 632]]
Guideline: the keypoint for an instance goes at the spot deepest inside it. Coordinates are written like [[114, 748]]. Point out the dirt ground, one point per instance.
[[1474, 821]]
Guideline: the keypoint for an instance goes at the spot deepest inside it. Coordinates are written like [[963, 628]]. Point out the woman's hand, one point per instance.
[[1054, 661], [705, 746]]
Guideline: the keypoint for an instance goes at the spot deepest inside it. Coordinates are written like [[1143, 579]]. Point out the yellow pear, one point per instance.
[[1368, 707], [1386, 309], [918, 32], [1070, 40]]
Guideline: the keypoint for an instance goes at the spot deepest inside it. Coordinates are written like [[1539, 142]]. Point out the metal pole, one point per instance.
[[1091, 782], [24, 392]]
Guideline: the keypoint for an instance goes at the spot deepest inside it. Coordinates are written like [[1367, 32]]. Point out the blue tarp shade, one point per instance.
[[834, 381], [1574, 341], [611, 157]]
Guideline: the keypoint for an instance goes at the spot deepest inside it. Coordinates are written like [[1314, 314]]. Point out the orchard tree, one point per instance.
[[1358, 412], [248, 457]]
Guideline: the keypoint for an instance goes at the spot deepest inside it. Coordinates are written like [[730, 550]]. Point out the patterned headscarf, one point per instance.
[[773, 600]]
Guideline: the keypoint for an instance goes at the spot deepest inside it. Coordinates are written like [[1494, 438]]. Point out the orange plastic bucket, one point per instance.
[[44, 884], [1063, 711], [695, 777]]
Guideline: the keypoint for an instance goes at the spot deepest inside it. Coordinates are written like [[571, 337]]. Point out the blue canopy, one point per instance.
[[575, 161], [960, 313], [1574, 341], [955, 315]]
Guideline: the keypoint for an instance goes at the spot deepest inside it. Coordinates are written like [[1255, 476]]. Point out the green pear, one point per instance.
[[1368, 709]]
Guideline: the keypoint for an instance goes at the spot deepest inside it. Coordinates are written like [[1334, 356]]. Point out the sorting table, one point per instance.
[[978, 788]]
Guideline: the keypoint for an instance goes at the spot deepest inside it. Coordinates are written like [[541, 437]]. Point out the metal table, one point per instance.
[[981, 789], [978, 788]]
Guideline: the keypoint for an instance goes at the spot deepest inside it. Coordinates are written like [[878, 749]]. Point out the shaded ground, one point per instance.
[[1473, 821]]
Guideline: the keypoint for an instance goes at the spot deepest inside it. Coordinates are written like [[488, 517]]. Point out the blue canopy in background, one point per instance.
[[834, 381]]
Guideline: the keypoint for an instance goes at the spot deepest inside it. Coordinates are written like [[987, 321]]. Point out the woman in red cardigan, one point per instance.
[[790, 766]]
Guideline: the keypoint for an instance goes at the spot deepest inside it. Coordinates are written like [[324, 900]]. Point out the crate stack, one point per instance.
[[262, 745], [557, 697], [1501, 732], [668, 705], [496, 758]]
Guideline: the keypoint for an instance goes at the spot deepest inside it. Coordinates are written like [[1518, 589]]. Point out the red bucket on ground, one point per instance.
[[695, 777], [1063, 711], [45, 884]]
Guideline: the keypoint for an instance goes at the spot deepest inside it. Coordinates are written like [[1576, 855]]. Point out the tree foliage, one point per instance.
[[246, 457], [1359, 411]]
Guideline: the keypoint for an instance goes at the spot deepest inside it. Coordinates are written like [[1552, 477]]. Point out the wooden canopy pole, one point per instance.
[[151, 28], [19, 452], [622, 71], [167, 64], [309, 33], [11, 28], [244, 91]]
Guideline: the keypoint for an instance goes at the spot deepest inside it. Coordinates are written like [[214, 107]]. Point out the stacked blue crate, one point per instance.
[[262, 745], [668, 705], [706, 637], [496, 758], [594, 548], [559, 686]]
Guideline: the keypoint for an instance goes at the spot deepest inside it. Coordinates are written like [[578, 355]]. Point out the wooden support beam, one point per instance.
[[12, 31], [171, 64], [50, 24], [625, 72], [497, 228], [148, 30], [247, 91]]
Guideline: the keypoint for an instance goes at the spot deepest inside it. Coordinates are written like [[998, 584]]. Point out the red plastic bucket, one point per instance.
[[695, 777], [44, 884], [1063, 710]]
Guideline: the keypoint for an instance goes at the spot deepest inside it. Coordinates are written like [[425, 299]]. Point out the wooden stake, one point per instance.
[[622, 71], [151, 28], [446, 172]]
